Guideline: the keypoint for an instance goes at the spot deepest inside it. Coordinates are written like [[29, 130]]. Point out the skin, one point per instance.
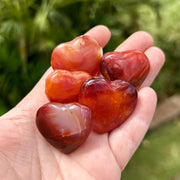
[[25, 154]]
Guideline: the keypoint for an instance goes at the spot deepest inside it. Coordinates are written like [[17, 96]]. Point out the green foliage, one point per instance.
[[29, 30], [158, 156], [165, 31]]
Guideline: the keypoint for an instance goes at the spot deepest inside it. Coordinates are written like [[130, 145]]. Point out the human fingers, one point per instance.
[[156, 58], [143, 41], [139, 40], [101, 34], [125, 139], [37, 97]]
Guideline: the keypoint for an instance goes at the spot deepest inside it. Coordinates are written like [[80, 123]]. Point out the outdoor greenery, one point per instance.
[[29, 30], [158, 157]]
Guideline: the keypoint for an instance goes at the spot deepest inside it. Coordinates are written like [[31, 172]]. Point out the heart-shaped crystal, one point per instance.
[[81, 54], [132, 66], [65, 126], [111, 102]]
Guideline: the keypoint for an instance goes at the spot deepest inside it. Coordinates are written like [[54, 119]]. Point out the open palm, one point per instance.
[[26, 155]]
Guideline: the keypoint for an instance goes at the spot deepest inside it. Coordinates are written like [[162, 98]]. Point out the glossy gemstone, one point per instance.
[[81, 54], [132, 66], [63, 86], [111, 102], [65, 126]]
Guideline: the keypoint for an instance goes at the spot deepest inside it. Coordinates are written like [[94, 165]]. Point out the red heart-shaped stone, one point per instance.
[[81, 54], [111, 102], [65, 126], [63, 86], [132, 66]]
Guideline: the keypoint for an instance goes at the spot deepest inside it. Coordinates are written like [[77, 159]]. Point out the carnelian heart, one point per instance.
[[65, 126], [111, 102], [63, 86], [132, 66], [81, 54]]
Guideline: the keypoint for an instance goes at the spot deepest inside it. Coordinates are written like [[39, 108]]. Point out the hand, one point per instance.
[[25, 154]]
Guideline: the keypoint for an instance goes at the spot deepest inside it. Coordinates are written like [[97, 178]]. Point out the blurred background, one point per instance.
[[30, 29]]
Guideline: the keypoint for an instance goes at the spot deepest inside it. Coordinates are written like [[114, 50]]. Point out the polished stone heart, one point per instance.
[[132, 66], [81, 54], [63, 86], [65, 126], [111, 102]]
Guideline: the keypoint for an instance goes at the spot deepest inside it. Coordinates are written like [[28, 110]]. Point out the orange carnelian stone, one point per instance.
[[111, 102], [65, 126], [81, 54], [132, 66], [63, 86]]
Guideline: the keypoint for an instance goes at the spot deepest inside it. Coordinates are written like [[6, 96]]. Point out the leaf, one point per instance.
[[11, 29]]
